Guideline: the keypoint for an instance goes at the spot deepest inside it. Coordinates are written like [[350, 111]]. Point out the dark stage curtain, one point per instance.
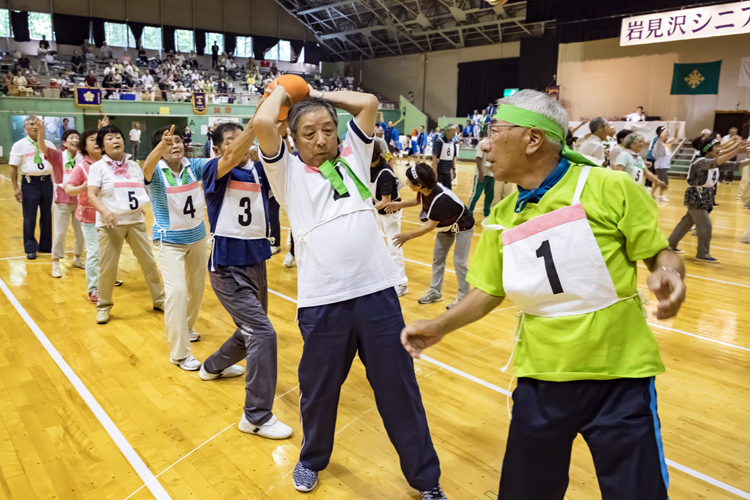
[[200, 42], [70, 30], [262, 44], [20, 23], [314, 53], [100, 35], [538, 64], [482, 82], [297, 46], [230, 43], [167, 38], [137, 30]]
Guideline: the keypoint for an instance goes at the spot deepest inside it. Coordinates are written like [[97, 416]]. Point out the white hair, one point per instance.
[[630, 140], [29, 119], [539, 102]]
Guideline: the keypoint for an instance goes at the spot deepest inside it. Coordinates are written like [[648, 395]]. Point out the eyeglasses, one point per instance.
[[492, 127]]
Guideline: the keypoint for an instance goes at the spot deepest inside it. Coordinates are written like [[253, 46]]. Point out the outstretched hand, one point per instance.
[[670, 291], [104, 122], [419, 336], [167, 138]]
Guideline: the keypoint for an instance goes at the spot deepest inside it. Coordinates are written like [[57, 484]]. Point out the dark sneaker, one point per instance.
[[435, 493], [708, 260], [31, 255], [306, 479]]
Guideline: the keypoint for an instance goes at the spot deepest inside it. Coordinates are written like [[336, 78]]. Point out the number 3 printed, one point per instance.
[[245, 218]]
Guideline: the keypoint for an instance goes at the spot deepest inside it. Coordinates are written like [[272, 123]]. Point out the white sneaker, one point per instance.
[[78, 263], [232, 371], [402, 290], [194, 336], [273, 429], [289, 260], [745, 239], [56, 269], [663, 198], [275, 250], [189, 364]]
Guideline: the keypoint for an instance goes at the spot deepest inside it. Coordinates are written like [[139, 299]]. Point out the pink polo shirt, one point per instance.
[[57, 159], [85, 212]]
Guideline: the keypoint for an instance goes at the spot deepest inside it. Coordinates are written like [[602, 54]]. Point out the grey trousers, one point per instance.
[[62, 215], [243, 291], [702, 222], [443, 244], [136, 147]]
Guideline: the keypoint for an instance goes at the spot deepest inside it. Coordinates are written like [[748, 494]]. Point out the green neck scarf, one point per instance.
[[70, 162], [328, 169], [170, 176], [553, 131], [37, 156]]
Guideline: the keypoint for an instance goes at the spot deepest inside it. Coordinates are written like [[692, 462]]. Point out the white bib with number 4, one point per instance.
[[552, 265], [713, 178], [242, 214], [185, 203], [130, 197]]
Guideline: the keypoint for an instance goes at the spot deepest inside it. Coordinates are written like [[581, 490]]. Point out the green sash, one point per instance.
[[170, 176], [328, 169], [71, 163], [37, 158]]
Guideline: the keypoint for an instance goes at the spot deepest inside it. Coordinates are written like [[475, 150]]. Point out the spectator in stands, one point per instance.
[[64, 83], [42, 52], [142, 57], [117, 79], [131, 71], [153, 64], [24, 62], [164, 85], [638, 116], [274, 70], [110, 69], [91, 80], [209, 87], [7, 82], [147, 81], [410, 97], [250, 81], [231, 67], [106, 52], [20, 81], [77, 62], [187, 136], [65, 126], [118, 66], [593, 147], [126, 59], [214, 54], [33, 81], [193, 59], [86, 50], [108, 84], [222, 87]]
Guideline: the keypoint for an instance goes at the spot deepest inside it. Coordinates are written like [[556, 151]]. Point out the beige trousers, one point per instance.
[[183, 268], [62, 214], [745, 186], [110, 247], [502, 189]]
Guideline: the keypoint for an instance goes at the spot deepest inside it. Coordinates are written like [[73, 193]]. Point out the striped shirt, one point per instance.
[[157, 188]]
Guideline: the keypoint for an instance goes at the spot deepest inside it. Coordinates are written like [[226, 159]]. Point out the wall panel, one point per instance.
[[179, 13], [237, 16], [71, 7], [265, 18]]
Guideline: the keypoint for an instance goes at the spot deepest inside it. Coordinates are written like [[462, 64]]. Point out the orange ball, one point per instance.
[[294, 85]]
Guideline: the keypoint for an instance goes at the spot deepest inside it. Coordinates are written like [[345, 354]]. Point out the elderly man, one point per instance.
[[346, 278], [593, 146], [36, 191], [444, 153], [564, 249]]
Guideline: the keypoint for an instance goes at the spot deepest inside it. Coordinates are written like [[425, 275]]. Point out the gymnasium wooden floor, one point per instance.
[[168, 423]]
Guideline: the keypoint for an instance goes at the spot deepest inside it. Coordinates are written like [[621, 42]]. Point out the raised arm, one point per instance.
[[236, 151], [41, 136], [264, 121], [152, 160], [364, 107]]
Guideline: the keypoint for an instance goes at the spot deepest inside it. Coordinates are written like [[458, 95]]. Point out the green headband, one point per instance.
[[529, 119]]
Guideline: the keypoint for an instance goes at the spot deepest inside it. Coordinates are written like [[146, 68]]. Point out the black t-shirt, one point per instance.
[[445, 152], [215, 49], [386, 182], [76, 60], [43, 44], [445, 209]]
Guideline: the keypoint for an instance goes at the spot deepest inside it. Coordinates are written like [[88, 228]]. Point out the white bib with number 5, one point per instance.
[[242, 214], [552, 265], [130, 197], [185, 203]]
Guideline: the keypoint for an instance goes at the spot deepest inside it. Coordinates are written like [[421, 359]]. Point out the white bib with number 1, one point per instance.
[[552, 265]]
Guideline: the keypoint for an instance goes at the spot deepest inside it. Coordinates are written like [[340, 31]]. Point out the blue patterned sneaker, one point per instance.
[[306, 479], [435, 493]]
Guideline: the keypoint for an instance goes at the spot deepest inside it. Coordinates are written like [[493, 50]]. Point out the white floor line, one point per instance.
[[427, 265], [503, 309], [709, 279], [135, 460], [717, 248], [202, 444], [671, 463], [707, 339]]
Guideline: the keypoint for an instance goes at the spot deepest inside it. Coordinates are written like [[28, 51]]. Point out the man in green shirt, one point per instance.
[[564, 249]]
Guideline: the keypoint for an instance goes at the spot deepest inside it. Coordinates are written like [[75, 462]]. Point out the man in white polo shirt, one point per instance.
[[135, 140], [593, 147], [36, 191], [346, 278]]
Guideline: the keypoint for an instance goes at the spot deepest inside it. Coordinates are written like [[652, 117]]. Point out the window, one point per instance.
[[152, 38], [40, 25], [244, 46], [4, 22], [183, 40], [214, 37], [301, 57], [282, 51], [119, 35]]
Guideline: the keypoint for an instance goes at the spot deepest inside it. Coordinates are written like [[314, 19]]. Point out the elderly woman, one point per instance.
[[586, 358], [662, 153], [700, 194], [22, 83], [443, 211], [116, 189], [631, 162]]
